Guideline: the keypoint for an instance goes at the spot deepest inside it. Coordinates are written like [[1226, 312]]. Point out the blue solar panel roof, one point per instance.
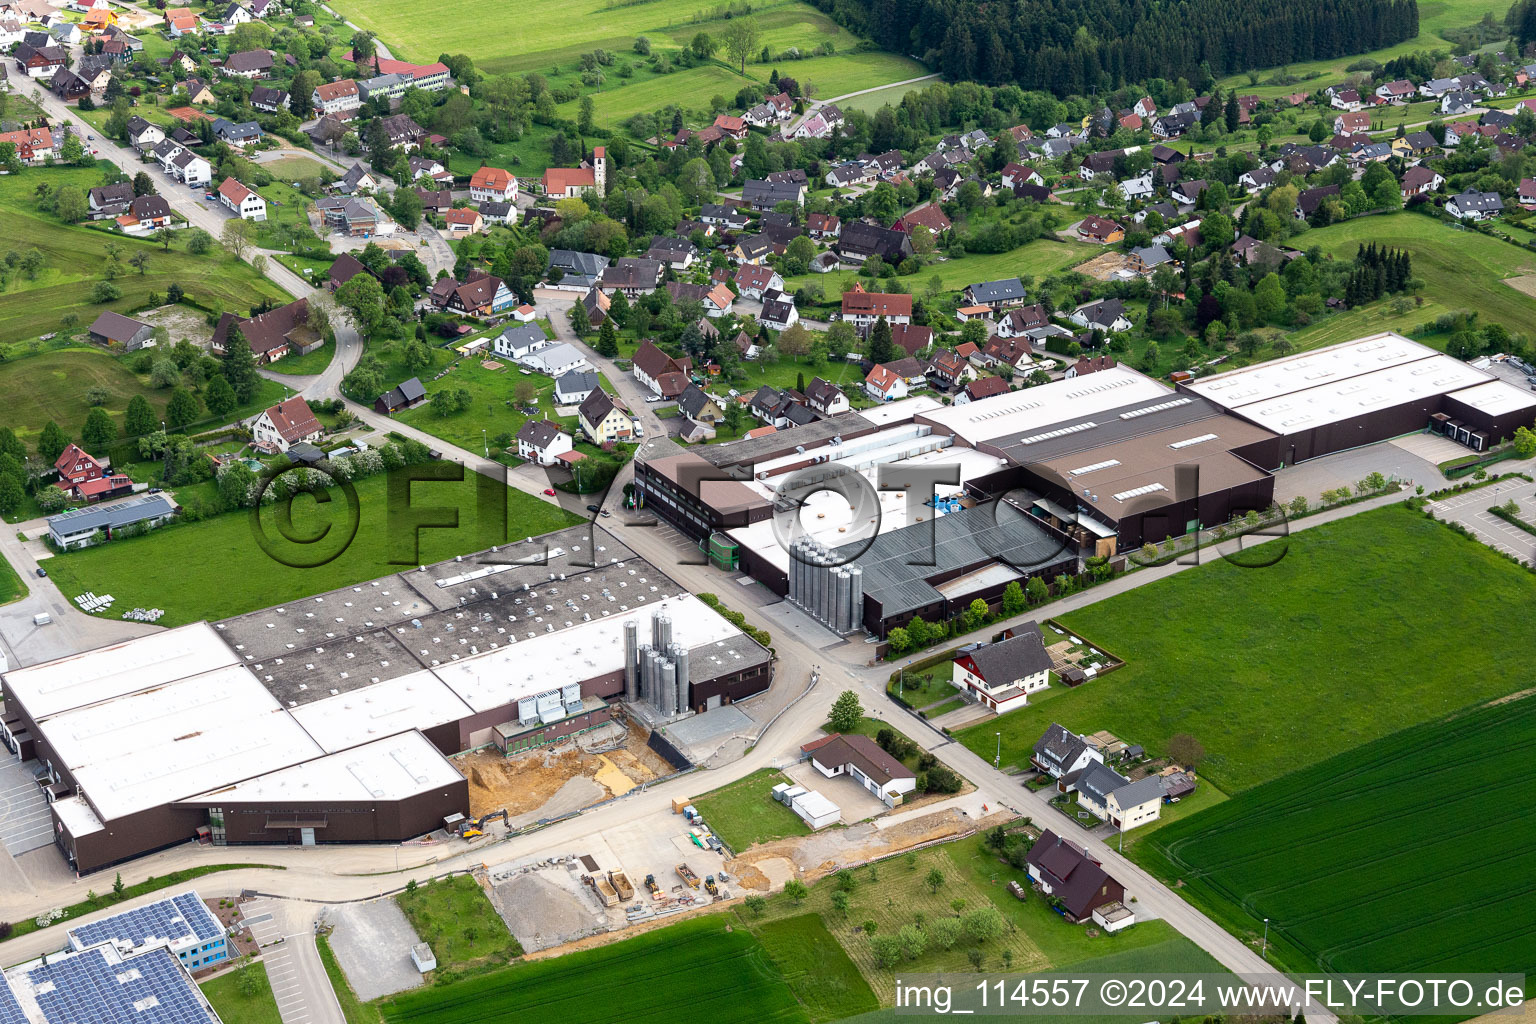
[[181, 919], [10, 1010], [88, 988]]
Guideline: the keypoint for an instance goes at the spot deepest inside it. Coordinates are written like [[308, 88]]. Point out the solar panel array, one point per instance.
[[150, 988], [10, 1010], [181, 920]]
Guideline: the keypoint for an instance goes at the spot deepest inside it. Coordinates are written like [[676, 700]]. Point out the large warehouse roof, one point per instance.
[[101, 986], [145, 749], [1077, 400], [1264, 381], [1496, 398], [392, 768], [419, 700], [115, 671]]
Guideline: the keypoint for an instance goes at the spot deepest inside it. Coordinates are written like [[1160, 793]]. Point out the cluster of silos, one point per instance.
[[831, 593], [656, 672]]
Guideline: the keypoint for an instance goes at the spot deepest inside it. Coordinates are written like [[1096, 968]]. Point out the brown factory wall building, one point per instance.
[[389, 821]]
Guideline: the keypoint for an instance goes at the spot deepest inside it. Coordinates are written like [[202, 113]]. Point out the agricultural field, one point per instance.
[[745, 813], [1413, 852], [457, 920], [702, 968], [74, 255], [1329, 650], [870, 102], [843, 72], [153, 570], [818, 971], [691, 88]]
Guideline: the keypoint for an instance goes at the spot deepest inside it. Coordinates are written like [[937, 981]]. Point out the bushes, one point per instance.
[[737, 619]]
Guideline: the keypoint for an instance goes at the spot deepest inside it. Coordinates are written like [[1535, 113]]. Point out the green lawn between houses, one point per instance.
[[74, 255], [158, 570], [1276, 668], [745, 813], [234, 1006]]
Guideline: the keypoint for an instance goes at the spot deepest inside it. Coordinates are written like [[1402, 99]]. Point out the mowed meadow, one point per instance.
[[1413, 853]]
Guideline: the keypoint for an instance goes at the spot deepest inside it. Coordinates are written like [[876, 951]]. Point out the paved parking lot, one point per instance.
[[372, 942], [299, 982], [856, 802], [25, 822], [1470, 509]]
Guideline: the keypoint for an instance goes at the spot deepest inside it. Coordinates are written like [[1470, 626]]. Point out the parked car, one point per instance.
[[549, 492], [594, 508], [42, 573]]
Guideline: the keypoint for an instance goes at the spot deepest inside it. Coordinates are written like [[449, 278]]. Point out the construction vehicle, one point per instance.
[[686, 874], [654, 889], [621, 883], [710, 886], [604, 890], [472, 827]]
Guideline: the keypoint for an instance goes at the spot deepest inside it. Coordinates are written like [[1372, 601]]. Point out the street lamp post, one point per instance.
[[1264, 948], [998, 761], [485, 439]]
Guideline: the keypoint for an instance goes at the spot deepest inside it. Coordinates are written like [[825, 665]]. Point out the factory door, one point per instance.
[[306, 837], [712, 703]]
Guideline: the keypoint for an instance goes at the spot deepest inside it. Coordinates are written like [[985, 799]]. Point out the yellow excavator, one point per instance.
[[473, 827]]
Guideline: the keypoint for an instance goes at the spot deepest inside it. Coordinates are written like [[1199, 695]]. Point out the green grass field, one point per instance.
[[702, 968], [690, 88], [1039, 259], [155, 571], [826, 982], [873, 101], [494, 409], [74, 256], [745, 812], [1277, 668], [308, 364], [843, 72], [11, 586], [1411, 853], [234, 1006], [1460, 269], [456, 918]]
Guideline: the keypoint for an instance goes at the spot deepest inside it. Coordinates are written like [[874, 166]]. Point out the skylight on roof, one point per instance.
[[1136, 492], [1192, 440]]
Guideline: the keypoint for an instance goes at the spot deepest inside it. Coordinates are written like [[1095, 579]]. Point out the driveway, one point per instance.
[[25, 822], [286, 932], [372, 942]]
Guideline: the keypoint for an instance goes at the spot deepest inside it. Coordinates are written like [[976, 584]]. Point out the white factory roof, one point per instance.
[[887, 413], [77, 816], [826, 516], [419, 700], [392, 768], [1347, 397], [165, 743], [545, 660], [120, 669], [1056, 402], [1496, 398], [1278, 377]]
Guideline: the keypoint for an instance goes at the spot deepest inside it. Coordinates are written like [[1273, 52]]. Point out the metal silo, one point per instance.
[[683, 693], [631, 661]]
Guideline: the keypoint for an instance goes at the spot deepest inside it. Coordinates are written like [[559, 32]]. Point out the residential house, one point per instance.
[[542, 442], [1093, 786], [731, 125], [596, 303], [928, 215], [753, 280], [727, 217], [557, 359], [772, 406], [1002, 675], [519, 342], [862, 759], [115, 329], [676, 253], [243, 202], [199, 92], [778, 310], [603, 421], [1059, 752], [498, 213], [1090, 364], [1398, 92], [571, 270], [492, 184], [1019, 322], [144, 135], [825, 397], [1171, 126], [1102, 315], [752, 250], [248, 64], [408, 395], [1135, 803], [980, 388], [1187, 193], [860, 240], [109, 200], [482, 294], [239, 134], [632, 276], [765, 194], [78, 470], [343, 269], [354, 217], [269, 99], [1453, 104], [1014, 352], [183, 164], [357, 179], [1349, 124], [699, 407], [1345, 99], [823, 226], [746, 346], [286, 424], [996, 295], [885, 385], [428, 167], [1259, 178], [1308, 200], [1147, 258], [1137, 188], [271, 335], [145, 214], [950, 370], [1016, 174], [572, 388], [862, 308], [1475, 205], [40, 61], [911, 338], [405, 134], [464, 222], [1102, 230], [339, 99], [659, 372], [1525, 195], [1420, 179]]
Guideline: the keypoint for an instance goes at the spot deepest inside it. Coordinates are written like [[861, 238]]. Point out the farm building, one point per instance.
[[266, 729], [862, 759]]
